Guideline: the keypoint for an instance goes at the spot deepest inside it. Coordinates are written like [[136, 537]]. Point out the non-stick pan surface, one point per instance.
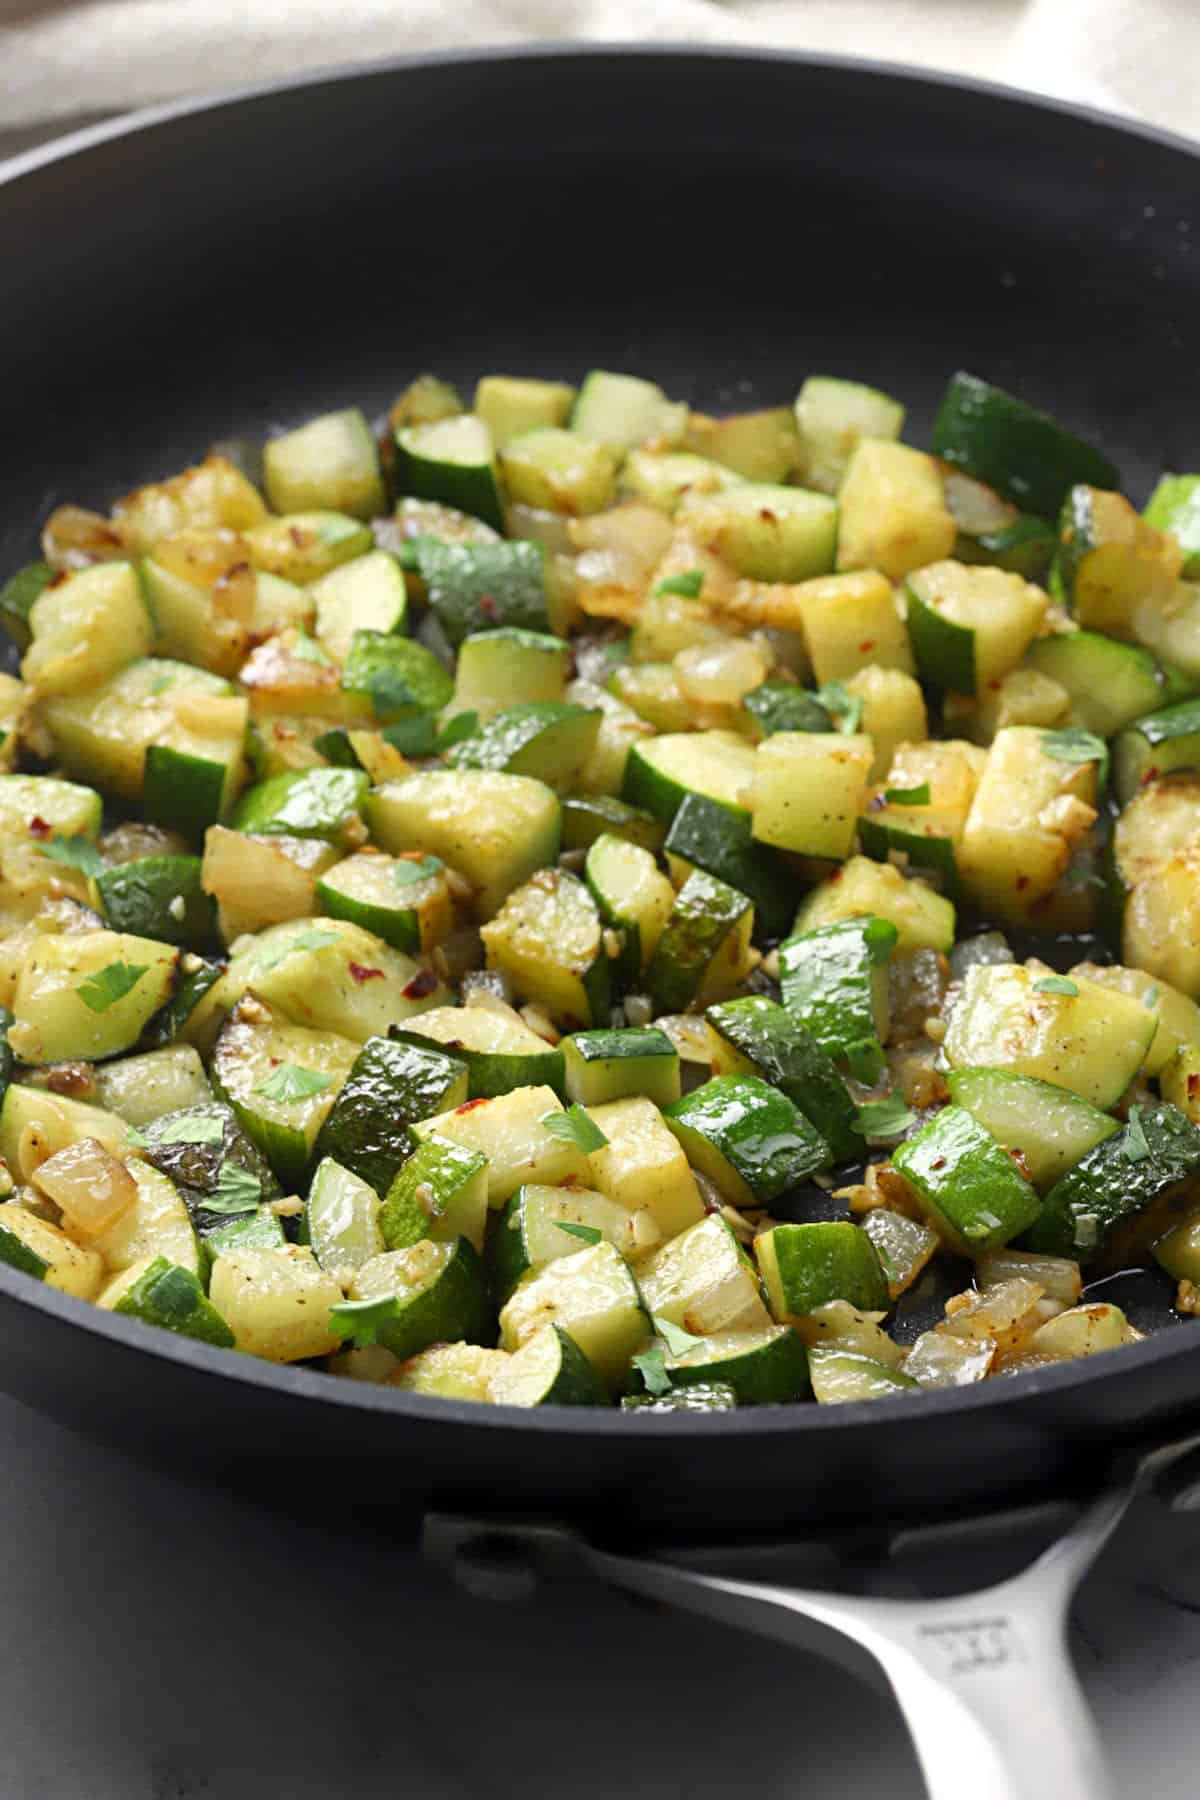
[[723, 223]]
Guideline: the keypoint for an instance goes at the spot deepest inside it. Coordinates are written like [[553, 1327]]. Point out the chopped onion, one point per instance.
[[92, 1188]]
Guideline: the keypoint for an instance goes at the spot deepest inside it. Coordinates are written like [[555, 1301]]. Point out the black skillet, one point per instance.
[[724, 223]]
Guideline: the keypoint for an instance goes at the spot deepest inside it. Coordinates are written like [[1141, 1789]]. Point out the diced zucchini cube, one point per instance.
[[332, 462], [809, 790], [968, 1183], [851, 622], [704, 1282], [510, 1132], [805, 1266], [748, 1139], [593, 1296], [892, 510], [276, 1302], [642, 1167]]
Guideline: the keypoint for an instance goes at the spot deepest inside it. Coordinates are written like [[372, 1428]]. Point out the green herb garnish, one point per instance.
[[413, 736], [290, 1082], [462, 725], [651, 1365], [315, 939], [74, 853], [191, 1131], [575, 1127], [360, 1320], [1074, 745], [307, 649], [879, 935], [110, 984], [1135, 1147], [587, 1234], [885, 1118], [841, 704], [423, 869], [237, 1191], [687, 585], [674, 1337], [913, 796], [1055, 984]]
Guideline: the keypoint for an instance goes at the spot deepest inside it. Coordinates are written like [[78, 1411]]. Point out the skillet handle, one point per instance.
[[984, 1679]]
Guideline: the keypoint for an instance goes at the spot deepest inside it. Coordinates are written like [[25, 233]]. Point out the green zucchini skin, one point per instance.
[[831, 985], [195, 1166], [445, 1176], [398, 676], [258, 1230], [1117, 1199], [805, 1266], [548, 739], [173, 1299], [493, 1072], [424, 471], [1158, 744], [782, 706], [585, 817], [967, 1182], [17, 597], [704, 1397], [717, 839], [614, 1065], [785, 1054], [1023, 453], [763, 1138], [706, 911], [182, 792], [389, 1088], [472, 587], [307, 803], [926, 855], [7, 1059], [160, 897], [194, 982], [549, 1370], [763, 1368], [1111, 683], [1050, 1127], [1174, 506], [454, 1309]]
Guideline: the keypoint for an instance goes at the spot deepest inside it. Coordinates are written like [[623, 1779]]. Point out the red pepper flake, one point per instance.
[[1022, 882], [38, 828], [470, 1105], [1150, 775], [423, 983], [765, 513], [866, 645], [939, 1162], [994, 684], [361, 973], [488, 606], [1193, 1086]]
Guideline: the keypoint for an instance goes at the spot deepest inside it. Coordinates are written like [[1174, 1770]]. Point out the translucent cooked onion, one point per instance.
[[92, 1188], [73, 538], [720, 674]]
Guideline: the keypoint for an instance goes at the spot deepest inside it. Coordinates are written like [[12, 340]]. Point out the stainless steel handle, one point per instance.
[[984, 1680]]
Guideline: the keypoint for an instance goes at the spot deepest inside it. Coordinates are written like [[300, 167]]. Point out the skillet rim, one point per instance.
[[1039, 1385]]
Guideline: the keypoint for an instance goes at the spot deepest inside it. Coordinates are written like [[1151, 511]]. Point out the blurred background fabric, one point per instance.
[[67, 63]]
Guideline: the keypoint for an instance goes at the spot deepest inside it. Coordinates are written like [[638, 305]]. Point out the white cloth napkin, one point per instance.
[[64, 63]]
